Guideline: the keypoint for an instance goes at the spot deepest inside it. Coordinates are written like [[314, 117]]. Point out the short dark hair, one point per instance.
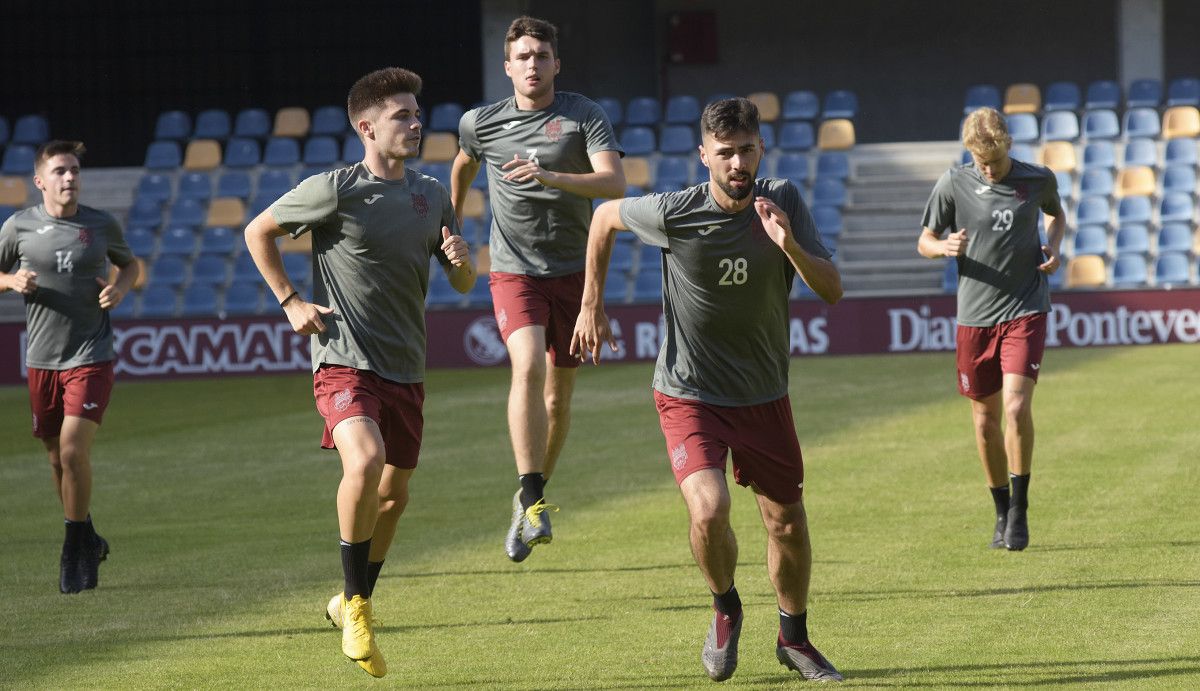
[[722, 119], [540, 29], [54, 147], [373, 88]]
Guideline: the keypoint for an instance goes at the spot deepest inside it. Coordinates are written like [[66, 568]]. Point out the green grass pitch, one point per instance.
[[220, 510]]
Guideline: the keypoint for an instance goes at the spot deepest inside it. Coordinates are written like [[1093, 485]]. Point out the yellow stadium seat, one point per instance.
[[834, 134], [439, 147], [483, 262], [768, 105], [226, 211], [291, 122], [637, 171], [300, 245], [13, 191], [473, 205], [202, 154], [1087, 271], [1060, 157], [1181, 121], [1135, 181], [1022, 98]]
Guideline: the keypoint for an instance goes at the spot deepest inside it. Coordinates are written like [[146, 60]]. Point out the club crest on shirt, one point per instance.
[[85, 237], [420, 205], [1021, 190], [679, 457], [554, 129]]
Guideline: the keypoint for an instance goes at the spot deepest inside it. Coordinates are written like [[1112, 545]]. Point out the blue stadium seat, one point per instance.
[[1133, 238], [1022, 151], [30, 129], [1134, 210], [833, 164], [1060, 125], [212, 124], [242, 298], [682, 110], [1141, 152], [298, 267], [168, 270], [252, 123], [154, 186], [797, 136], [1179, 178], [638, 141], [1101, 124], [1171, 269], [647, 285], [672, 172], [210, 269], [1096, 181], [141, 241], [6, 211], [281, 152], [1093, 211], [829, 192], [195, 185], [163, 155], [244, 269], [649, 258], [234, 183], [1184, 91], [840, 103], [800, 105], [219, 240], [1129, 270], [1022, 127], [480, 294], [642, 110], [259, 203], [445, 116], [329, 120], [441, 293], [719, 96], [1176, 207], [438, 171], [158, 302], [1175, 237], [242, 153], [801, 291], [828, 219], [1100, 154], [1140, 122], [147, 212], [275, 183], [1182, 150], [794, 167], [982, 96], [199, 301], [173, 124], [621, 259], [188, 212], [352, 149], [1066, 184], [1061, 96], [616, 288], [4, 130], [1103, 93], [1144, 93], [766, 130], [321, 151], [1090, 239], [126, 309], [178, 241], [612, 108], [677, 139], [18, 160]]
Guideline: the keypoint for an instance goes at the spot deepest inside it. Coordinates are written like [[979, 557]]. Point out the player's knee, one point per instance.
[[71, 457], [393, 501], [558, 406], [1018, 409], [711, 517]]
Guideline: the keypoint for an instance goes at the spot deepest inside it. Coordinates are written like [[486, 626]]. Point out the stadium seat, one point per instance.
[[1172, 269], [141, 241], [672, 172], [13, 191], [1103, 93], [828, 219], [329, 120], [622, 256], [833, 164], [642, 110], [796, 136], [30, 129], [154, 186], [18, 160], [281, 152], [1066, 184], [226, 211], [1140, 122], [1087, 271], [1061, 96], [163, 155], [352, 149], [480, 294], [298, 267], [1132, 239], [1023, 127], [441, 293], [1183, 91], [168, 270], [1059, 156], [1129, 270], [794, 167], [1096, 181], [1021, 151], [234, 183], [801, 105], [194, 185], [840, 103], [1177, 207], [829, 192], [1181, 121], [202, 154], [292, 121], [768, 105], [127, 308], [1141, 152], [157, 302], [212, 124], [439, 147], [766, 130], [1179, 178], [1135, 181], [835, 134], [209, 269], [199, 301], [274, 183], [178, 240], [677, 139], [1175, 237], [1093, 211], [146, 212], [1022, 98], [981, 96], [445, 116], [1181, 151], [1090, 239], [1060, 126], [950, 276], [682, 110], [1101, 124], [612, 109], [439, 170], [1134, 210], [1144, 93], [647, 285], [474, 204], [242, 298], [252, 123], [1100, 154], [6, 211], [173, 124], [321, 151], [483, 260], [637, 173], [219, 240], [638, 141], [244, 269], [188, 212]]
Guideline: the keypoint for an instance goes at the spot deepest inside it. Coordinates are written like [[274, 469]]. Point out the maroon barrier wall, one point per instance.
[[469, 337]]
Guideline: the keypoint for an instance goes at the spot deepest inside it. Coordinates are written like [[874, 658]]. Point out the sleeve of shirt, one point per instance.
[[939, 210], [646, 218], [467, 140], [118, 250], [308, 204], [804, 227], [10, 255], [1051, 203], [598, 132]]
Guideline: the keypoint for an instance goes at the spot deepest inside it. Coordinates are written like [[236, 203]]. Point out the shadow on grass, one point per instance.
[[1033, 673], [540, 570], [942, 593]]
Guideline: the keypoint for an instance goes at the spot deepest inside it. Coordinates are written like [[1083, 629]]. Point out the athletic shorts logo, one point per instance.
[[482, 342], [679, 457], [1036, 366], [85, 237], [420, 205], [502, 319], [35, 424], [965, 382], [90, 406], [554, 129], [374, 198], [341, 401]]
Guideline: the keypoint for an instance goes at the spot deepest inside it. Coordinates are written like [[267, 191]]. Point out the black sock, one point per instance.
[[1000, 496], [793, 627], [77, 532], [729, 604], [373, 569], [354, 568], [1020, 489], [532, 487]]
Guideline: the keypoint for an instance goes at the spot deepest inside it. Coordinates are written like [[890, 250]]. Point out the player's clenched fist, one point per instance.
[[455, 248], [23, 281], [956, 243]]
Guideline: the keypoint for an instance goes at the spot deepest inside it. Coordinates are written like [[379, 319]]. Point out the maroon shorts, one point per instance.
[[766, 452], [82, 391], [522, 301], [345, 392], [987, 353]]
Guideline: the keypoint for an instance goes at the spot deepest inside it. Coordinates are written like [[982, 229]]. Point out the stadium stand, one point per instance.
[[1144, 93], [194, 185], [1132, 239], [13, 191], [1061, 96], [1103, 93], [292, 121], [163, 155], [1059, 156], [444, 117], [1135, 181], [1060, 125], [677, 139], [612, 108], [682, 110], [1090, 239], [252, 123], [32, 130], [1101, 124], [1172, 269], [840, 103], [202, 154], [643, 110], [213, 123], [1022, 98], [768, 105], [173, 124], [18, 159], [1130, 271], [796, 136], [242, 298], [1140, 122], [329, 120], [1087, 271], [1181, 121], [800, 105], [281, 152], [982, 96], [638, 141], [1183, 91], [234, 183], [835, 134]]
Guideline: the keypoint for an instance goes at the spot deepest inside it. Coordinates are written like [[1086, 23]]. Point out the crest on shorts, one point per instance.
[[342, 399], [965, 382], [679, 457], [420, 205], [85, 237], [554, 129], [502, 319]]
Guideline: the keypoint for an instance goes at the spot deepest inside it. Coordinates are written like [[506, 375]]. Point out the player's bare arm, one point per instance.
[[461, 271], [462, 173], [111, 294], [1056, 227], [606, 181], [261, 233], [23, 281], [820, 274], [592, 328], [930, 246]]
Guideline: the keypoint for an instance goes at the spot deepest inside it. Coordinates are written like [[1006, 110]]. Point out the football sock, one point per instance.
[[793, 627], [729, 603], [532, 487], [77, 532], [354, 568], [1020, 489], [1000, 497], [373, 569]]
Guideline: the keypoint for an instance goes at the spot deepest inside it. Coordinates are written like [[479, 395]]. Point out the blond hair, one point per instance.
[[985, 133]]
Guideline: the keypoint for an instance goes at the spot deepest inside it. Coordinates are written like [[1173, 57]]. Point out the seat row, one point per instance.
[[1066, 96], [1104, 125]]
